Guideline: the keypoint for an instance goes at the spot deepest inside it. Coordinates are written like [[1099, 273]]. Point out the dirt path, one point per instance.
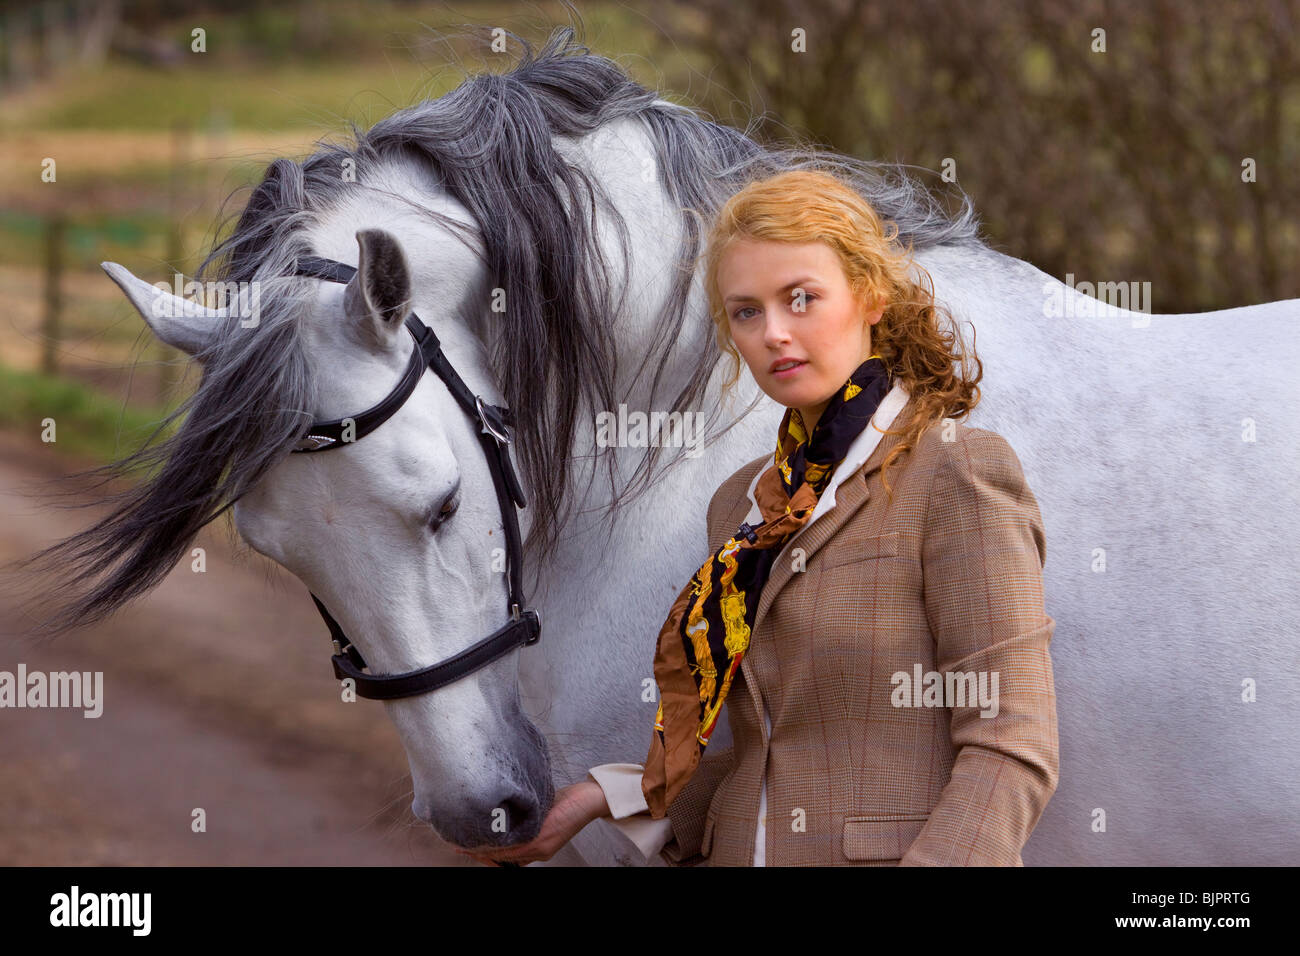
[[217, 694]]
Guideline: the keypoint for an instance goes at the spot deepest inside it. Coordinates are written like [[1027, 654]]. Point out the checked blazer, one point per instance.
[[948, 576]]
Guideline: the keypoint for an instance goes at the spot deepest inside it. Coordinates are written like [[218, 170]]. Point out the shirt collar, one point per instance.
[[854, 459]]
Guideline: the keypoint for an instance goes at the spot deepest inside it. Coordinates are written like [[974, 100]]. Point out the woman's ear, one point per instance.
[[873, 314]]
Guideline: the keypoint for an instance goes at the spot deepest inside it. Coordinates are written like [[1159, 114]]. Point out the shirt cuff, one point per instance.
[[621, 784], [648, 835]]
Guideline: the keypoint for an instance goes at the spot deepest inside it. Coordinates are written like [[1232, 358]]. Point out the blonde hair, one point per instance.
[[802, 206]]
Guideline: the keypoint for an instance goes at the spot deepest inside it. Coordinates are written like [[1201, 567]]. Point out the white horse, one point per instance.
[[1164, 458], [1158, 448]]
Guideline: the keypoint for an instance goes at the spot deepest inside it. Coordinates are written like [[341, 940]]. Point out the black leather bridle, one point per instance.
[[525, 625]]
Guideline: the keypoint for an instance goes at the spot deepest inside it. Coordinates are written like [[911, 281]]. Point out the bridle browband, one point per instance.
[[525, 625]]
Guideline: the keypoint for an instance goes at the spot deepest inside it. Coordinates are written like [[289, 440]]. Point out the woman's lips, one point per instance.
[[789, 372]]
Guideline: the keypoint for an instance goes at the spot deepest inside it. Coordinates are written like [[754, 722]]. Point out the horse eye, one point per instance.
[[446, 511]]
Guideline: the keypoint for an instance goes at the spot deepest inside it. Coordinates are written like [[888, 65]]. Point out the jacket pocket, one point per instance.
[[849, 549], [881, 837]]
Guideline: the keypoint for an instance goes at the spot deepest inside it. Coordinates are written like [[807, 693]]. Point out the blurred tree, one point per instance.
[[1122, 163], [39, 39]]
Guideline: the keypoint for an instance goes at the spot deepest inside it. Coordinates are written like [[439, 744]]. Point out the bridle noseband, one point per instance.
[[525, 626]]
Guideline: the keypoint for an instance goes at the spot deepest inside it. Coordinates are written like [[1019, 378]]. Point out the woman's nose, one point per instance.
[[776, 332]]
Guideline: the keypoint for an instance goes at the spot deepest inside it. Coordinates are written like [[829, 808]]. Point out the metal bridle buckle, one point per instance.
[[516, 614], [501, 436], [312, 442]]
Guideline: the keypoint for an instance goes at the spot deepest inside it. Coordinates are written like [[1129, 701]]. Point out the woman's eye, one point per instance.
[[740, 313]]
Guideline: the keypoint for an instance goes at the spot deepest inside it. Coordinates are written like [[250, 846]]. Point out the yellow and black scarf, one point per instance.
[[702, 642]]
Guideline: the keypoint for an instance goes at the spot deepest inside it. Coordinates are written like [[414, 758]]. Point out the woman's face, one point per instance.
[[785, 301]]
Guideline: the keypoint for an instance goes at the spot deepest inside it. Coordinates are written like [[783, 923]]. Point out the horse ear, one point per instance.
[[181, 323], [378, 297]]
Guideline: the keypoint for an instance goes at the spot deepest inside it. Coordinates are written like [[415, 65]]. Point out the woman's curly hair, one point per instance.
[[802, 206]]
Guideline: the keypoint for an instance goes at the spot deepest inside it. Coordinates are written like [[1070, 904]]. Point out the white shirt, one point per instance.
[[621, 782]]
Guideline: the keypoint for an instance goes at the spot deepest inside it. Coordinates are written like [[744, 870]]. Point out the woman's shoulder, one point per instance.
[[948, 440], [956, 455]]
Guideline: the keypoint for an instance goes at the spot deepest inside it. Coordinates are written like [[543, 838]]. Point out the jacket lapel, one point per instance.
[[850, 496]]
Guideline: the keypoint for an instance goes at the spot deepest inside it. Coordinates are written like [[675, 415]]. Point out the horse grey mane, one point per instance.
[[488, 138]]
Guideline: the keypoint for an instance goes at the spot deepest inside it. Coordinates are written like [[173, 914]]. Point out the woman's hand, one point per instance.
[[575, 806]]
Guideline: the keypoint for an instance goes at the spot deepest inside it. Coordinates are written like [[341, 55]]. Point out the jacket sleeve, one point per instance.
[[982, 556], [691, 808], [678, 836]]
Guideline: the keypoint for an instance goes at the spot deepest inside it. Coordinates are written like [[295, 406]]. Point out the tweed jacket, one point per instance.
[[868, 762]]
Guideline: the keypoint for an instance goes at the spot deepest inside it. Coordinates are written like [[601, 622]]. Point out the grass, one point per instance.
[[87, 423], [137, 241], [129, 96]]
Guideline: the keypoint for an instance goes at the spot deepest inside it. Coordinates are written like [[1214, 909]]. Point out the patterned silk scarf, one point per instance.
[[702, 642]]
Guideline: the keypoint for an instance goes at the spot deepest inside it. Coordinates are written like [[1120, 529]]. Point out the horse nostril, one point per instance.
[[521, 813]]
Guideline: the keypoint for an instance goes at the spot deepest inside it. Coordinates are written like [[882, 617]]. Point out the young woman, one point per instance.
[[893, 635]]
